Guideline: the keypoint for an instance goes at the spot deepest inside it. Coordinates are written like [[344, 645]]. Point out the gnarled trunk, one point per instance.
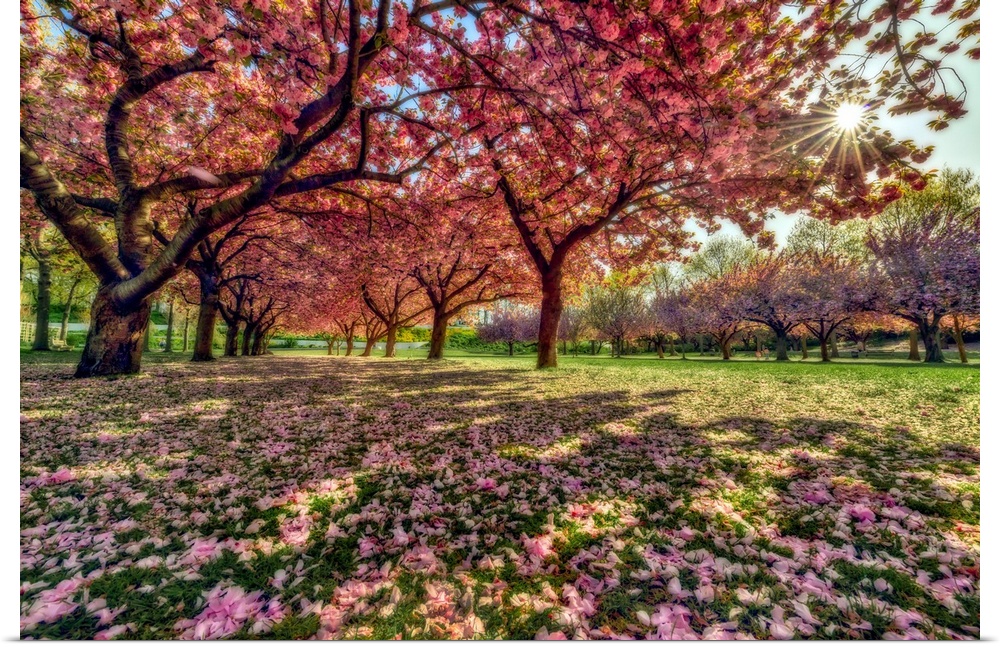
[[248, 333], [116, 338], [914, 349], [369, 345], [804, 345], [232, 339], [780, 344], [724, 345], [259, 345], [824, 350], [204, 331], [390, 342], [349, 346], [958, 339], [551, 311], [439, 334], [930, 334], [44, 304]]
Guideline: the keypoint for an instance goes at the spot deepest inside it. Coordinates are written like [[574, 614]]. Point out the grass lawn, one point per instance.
[[300, 495]]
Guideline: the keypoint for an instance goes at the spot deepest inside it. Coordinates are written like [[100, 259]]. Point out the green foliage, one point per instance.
[[76, 339], [414, 334], [468, 340]]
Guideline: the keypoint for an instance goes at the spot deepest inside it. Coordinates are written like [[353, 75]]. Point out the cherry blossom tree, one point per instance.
[[775, 296], [126, 104], [617, 311], [927, 251], [510, 324], [612, 152], [833, 290]]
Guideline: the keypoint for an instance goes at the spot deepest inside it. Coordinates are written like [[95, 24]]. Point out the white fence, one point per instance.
[[28, 329]]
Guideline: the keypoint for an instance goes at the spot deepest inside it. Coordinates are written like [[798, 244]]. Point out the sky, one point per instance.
[[956, 146]]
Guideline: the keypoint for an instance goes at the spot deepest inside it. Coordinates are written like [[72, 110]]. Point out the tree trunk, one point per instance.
[[350, 345], [659, 349], [929, 332], [724, 346], [551, 311], [592, 347], [780, 345], [958, 339], [369, 345], [914, 350], [390, 342], [329, 346], [115, 340], [232, 339], [204, 331], [146, 342], [169, 347], [248, 334], [834, 351], [69, 307], [44, 304], [439, 334], [805, 346], [824, 347], [259, 342], [673, 349], [186, 326], [510, 349]]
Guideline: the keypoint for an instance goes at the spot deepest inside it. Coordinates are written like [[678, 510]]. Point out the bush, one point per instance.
[[468, 340], [413, 334], [76, 339]]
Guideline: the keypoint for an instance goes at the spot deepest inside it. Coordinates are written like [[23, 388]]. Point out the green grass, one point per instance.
[[606, 454]]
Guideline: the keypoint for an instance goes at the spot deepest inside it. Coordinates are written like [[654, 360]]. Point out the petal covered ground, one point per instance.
[[297, 497]]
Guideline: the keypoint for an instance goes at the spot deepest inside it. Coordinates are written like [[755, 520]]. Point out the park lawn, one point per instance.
[[300, 495]]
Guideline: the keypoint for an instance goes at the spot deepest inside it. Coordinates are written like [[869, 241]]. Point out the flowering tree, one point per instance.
[[510, 324], [572, 326], [617, 145], [863, 325], [675, 311], [126, 104], [721, 309], [775, 296], [461, 256], [927, 251], [617, 311], [833, 291], [572, 113]]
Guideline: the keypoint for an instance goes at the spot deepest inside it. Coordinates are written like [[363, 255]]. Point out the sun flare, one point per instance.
[[849, 115]]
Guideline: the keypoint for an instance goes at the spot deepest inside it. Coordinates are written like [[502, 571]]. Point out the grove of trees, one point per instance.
[[352, 167]]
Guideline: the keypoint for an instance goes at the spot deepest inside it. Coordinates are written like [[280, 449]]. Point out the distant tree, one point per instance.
[[926, 249], [510, 324], [573, 325], [775, 296], [617, 311], [834, 291]]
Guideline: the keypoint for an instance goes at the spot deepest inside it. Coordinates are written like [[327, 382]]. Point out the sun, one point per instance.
[[849, 115]]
